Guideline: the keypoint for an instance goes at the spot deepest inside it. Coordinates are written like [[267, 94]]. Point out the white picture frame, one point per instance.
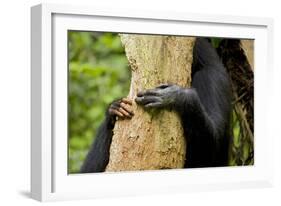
[[49, 177]]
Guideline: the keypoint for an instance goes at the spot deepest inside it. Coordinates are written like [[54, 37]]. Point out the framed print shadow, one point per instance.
[[133, 102]]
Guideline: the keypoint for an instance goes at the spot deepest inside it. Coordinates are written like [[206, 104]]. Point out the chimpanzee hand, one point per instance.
[[163, 96], [121, 108]]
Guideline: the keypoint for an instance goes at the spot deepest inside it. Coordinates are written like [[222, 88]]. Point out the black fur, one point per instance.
[[98, 156], [205, 111]]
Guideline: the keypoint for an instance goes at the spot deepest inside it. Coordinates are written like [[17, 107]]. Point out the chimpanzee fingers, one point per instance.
[[115, 112], [120, 111], [153, 105], [127, 101], [149, 92], [127, 108], [163, 86], [115, 103], [121, 108], [124, 113], [147, 99]]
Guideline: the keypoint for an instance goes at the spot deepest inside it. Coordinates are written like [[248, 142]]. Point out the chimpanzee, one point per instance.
[[204, 109]]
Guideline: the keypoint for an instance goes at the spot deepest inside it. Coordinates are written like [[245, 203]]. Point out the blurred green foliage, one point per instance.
[[98, 74]]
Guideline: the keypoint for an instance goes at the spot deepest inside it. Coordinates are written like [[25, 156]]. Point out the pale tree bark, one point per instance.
[[152, 139], [248, 47]]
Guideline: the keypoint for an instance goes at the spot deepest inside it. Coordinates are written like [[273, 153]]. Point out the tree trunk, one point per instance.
[[248, 47], [152, 139]]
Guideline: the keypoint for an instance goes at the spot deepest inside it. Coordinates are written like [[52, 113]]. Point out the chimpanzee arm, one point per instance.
[[209, 143], [98, 156], [204, 108], [205, 113]]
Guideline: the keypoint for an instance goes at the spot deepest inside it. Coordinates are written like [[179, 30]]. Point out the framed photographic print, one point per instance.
[[134, 102]]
